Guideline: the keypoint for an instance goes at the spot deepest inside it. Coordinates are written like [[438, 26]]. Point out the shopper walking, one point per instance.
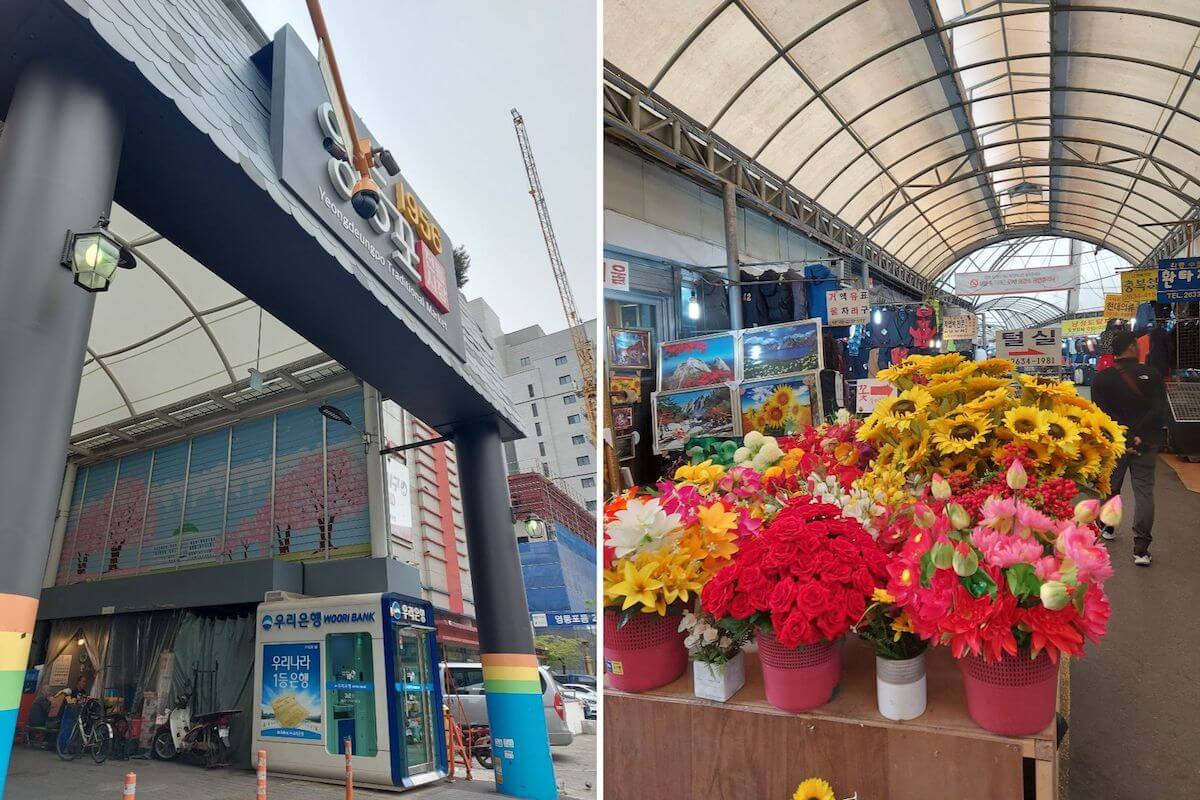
[[1133, 394]]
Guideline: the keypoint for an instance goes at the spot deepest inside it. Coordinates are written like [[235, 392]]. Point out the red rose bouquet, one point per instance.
[[806, 578]]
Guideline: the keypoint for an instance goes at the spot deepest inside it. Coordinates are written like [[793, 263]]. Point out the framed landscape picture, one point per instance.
[[701, 361], [622, 417], [629, 348], [780, 406], [679, 416], [625, 387], [784, 349]]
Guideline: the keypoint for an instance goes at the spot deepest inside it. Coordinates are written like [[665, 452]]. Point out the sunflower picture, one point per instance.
[[777, 407]]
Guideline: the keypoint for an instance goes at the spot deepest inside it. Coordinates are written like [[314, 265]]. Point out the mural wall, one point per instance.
[[290, 485]]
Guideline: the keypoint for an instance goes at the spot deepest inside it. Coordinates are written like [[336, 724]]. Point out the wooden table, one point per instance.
[[667, 743]]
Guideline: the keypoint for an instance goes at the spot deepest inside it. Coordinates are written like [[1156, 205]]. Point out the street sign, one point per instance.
[[848, 306], [1178, 280], [1030, 347], [616, 275], [562, 619]]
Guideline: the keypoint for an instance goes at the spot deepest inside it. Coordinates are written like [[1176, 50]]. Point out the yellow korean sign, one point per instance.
[[1084, 326], [1117, 306], [1140, 285]]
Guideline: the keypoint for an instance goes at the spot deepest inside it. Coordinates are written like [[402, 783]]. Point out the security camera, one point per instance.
[[387, 161], [365, 198], [334, 149]]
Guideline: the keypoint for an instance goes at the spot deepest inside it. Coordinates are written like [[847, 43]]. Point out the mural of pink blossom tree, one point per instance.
[[89, 533], [128, 512], [300, 501], [252, 537]]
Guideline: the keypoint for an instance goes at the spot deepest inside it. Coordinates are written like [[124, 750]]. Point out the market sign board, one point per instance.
[[403, 247], [1030, 347], [1178, 280], [1140, 285], [562, 619], [1017, 281], [848, 306], [1117, 306], [960, 326], [1084, 326], [616, 275]]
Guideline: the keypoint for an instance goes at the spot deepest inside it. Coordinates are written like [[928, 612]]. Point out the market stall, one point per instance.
[[943, 533]]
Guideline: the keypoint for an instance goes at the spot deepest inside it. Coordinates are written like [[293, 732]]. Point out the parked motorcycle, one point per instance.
[[205, 736]]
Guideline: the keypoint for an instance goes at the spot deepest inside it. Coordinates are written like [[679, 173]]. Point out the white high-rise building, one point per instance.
[[541, 373]]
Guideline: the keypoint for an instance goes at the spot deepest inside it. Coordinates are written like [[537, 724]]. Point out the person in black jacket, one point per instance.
[[1134, 395]]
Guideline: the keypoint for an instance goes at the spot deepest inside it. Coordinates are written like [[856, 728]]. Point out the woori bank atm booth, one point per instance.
[[358, 667]]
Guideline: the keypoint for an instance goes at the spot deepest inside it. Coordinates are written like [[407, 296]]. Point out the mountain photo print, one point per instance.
[[680, 416], [692, 363], [784, 349]]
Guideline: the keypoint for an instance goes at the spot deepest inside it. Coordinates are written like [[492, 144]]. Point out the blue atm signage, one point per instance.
[[315, 619], [291, 691], [1178, 280]]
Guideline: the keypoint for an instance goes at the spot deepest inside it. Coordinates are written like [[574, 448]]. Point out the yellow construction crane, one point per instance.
[[579, 339]]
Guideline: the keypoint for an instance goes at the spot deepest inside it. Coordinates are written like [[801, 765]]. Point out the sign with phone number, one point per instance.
[[1178, 279]]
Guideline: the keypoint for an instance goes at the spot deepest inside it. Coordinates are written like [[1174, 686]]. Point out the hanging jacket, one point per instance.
[[714, 305], [777, 297], [820, 281], [799, 301], [923, 330], [754, 309], [903, 320], [1143, 318]]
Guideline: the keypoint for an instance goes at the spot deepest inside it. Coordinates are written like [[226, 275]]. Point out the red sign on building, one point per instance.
[[433, 278]]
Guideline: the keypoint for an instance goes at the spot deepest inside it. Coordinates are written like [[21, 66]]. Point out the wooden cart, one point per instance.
[[668, 743]]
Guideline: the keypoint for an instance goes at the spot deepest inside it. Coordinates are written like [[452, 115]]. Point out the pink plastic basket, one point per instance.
[[798, 679], [1014, 697], [645, 653]]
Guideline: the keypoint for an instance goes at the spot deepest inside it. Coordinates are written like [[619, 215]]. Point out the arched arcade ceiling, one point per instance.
[[935, 127]]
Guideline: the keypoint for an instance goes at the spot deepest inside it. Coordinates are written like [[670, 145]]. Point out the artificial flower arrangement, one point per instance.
[[957, 416], [1006, 573], [814, 789], [718, 668], [800, 584], [661, 546]]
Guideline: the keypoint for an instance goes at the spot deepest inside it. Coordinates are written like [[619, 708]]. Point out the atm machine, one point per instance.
[[359, 667]]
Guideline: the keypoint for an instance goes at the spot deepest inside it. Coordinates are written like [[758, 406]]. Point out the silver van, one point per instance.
[[462, 687]]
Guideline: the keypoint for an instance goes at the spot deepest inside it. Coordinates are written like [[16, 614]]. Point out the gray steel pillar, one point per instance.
[[520, 741], [59, 153], [731, 257]]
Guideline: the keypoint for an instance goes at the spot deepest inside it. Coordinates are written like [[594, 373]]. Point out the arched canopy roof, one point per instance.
[[936, 127], [1018, 312]]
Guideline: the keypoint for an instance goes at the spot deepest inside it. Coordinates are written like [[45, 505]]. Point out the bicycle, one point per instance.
[[90, 732]]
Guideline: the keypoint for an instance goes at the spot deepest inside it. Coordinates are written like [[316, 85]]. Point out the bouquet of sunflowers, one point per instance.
[[956, 416]]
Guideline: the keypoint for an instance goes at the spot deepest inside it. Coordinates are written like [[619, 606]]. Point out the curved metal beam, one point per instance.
[[1033, 162], [974, 247], [183, 298], [687, 42], [1068, 229], [1127, 239], [1016, 121], [1081, 178], [116, 383]]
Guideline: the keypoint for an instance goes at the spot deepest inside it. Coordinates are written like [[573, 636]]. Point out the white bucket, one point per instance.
[[718, 681], [900, 687]]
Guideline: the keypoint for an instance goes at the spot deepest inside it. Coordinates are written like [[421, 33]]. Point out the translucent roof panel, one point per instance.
[[169, 330], [1098, 275], [936, 126]]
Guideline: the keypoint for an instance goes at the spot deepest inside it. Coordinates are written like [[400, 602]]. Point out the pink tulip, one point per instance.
[[940, 487], [1110, 513], [1086, 511], [1016, 477]]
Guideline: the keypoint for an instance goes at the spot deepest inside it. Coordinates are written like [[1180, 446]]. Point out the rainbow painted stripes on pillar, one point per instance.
[[520, 741], [17, 615]]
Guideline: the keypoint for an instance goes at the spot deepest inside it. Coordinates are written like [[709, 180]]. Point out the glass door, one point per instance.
[[413, 681]]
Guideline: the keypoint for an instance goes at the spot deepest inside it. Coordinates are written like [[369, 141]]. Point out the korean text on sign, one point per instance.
[[1178, 279], [1030, 347], [848, 306], [1139, 285]]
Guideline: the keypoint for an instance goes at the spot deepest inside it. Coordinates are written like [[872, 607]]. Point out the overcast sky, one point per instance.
[[435, 82]]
